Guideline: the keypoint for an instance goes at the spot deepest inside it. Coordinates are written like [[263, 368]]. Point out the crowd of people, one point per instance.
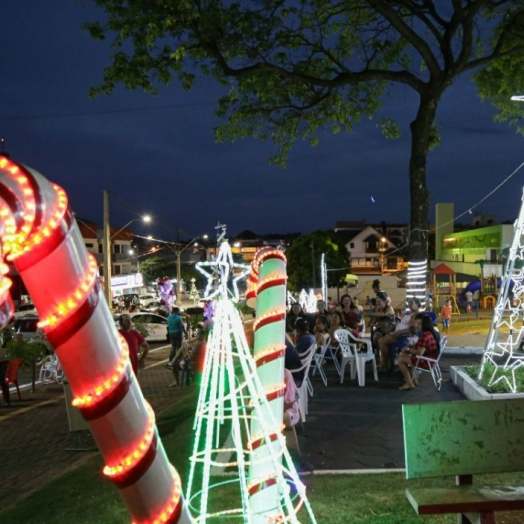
[[395, 340]]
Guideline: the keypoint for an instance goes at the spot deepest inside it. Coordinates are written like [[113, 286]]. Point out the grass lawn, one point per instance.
[[82, 496], [470, 326]]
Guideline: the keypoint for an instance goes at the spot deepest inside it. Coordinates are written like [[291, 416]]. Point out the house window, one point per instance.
[[100, 248], [117, 248], [351, 245], [90, 244], [118, 269]]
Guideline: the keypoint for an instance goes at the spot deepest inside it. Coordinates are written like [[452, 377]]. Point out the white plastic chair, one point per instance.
[[365, 355], [50, 370], [348, 352], [319, 359], [433, 365], [361, 358], [303, 389]]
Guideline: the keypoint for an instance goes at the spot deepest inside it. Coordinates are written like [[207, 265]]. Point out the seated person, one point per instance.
[[351, 314], [303, 338], [428, 345], [391, 343], [382, 318], [321, 311], [291, 411], [292, 362], [321, 330], [294, 313], [336, 321]]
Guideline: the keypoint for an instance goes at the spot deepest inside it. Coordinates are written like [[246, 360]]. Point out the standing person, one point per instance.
[[135, 341], [429, 303], [469, 300], [445, 314], [375, 286], [176, 330]]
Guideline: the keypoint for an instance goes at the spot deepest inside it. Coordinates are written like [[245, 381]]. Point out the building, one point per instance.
[[123, 261], [374, 249], [472, 251]]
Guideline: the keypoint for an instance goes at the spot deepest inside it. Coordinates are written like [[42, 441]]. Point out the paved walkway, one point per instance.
[[348, 427], [35, 436]]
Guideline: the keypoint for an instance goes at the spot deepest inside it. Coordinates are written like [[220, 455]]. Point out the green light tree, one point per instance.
[[293, 67]]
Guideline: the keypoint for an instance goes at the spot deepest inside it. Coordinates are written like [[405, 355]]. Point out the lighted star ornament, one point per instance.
[[507, 329], [218, 279]]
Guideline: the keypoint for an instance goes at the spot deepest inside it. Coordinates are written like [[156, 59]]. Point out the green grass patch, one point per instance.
[[501, 386], [83, 496], [470, 327]]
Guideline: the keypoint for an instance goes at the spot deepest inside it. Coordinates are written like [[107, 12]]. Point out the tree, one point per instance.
[[303, 260], [292, 67], [154, 268]]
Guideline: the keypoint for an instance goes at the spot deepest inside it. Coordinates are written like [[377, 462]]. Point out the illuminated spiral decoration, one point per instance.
[[267, 284], [41, 238]]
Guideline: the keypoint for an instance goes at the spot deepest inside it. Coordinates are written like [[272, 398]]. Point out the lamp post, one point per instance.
[[107, 245], [382, 246]]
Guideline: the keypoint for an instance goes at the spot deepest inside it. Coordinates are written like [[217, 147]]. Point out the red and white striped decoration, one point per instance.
[[40, 236]]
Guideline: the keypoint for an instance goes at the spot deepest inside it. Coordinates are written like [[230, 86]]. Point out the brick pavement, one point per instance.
[[35, 436], [348, 427]]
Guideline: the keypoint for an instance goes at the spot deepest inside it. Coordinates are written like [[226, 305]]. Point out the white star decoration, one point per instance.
[[221, 271], [507, 328]]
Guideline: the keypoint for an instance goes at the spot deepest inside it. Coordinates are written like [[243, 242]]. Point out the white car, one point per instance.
[[25, 309], [145, 300], [155, 325]]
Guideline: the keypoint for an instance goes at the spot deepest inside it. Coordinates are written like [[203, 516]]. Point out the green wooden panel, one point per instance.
[[464, 437]]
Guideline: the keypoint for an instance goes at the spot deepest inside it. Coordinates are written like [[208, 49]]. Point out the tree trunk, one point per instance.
[[420, 142]]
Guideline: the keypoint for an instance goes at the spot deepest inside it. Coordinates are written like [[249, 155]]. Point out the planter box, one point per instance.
[[472, 390]]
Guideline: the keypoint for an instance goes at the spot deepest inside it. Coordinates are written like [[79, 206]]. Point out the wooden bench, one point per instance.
[[463, 439]]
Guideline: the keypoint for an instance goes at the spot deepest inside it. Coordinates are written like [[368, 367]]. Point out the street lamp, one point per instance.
[[382, 246], [107, 245]]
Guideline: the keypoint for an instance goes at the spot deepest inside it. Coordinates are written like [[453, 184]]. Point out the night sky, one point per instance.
[[158, 155]]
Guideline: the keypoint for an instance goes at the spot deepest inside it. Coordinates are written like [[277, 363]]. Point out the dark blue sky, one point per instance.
[[165, 161]]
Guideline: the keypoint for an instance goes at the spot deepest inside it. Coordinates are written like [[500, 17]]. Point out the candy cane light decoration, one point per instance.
[[267, 291], [40, 236]]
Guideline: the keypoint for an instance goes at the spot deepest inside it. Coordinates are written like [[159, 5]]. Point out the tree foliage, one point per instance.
[[304, 257], [292, 67], [154, 268]]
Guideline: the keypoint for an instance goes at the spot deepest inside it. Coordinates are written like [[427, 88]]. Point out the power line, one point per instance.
[[106, 112]]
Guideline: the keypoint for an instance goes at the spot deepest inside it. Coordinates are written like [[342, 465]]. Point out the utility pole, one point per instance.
[[178, 276], [107, 251]]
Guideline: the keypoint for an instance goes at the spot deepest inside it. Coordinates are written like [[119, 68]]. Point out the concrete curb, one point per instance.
[[463, 350], [353, 471]]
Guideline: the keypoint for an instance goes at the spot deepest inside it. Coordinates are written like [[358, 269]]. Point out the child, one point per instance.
[[445, 313], [291, 411]]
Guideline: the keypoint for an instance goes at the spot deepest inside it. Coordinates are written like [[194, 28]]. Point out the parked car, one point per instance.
[[145, 300], [152, 306], [25, 309], [155, 325], [27, 327]]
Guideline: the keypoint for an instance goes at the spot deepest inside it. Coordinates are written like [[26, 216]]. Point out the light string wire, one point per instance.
[[468, 210]]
